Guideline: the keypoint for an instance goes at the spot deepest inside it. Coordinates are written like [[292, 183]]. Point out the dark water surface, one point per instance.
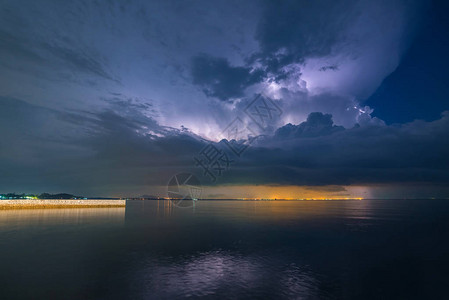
[[376, 249]]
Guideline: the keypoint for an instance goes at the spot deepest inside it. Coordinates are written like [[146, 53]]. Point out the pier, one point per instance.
[[63, 203]]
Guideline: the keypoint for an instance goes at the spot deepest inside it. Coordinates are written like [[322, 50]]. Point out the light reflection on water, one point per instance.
[[227, 249], [227, 273], [20, 218]]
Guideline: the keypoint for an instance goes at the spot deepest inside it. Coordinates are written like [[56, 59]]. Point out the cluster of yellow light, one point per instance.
[[273, 192], [314, 198]]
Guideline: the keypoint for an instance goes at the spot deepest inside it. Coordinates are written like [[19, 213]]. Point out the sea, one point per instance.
[[223, 249]]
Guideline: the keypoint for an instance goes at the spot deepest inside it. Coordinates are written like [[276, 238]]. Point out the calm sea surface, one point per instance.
[[376, 249]]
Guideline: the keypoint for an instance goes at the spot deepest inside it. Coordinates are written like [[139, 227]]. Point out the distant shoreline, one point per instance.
[[63, 203]]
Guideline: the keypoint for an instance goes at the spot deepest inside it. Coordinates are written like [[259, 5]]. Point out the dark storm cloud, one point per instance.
[[96, 153], [296, 39], [23, 122], [219, 79], [108, 151], [317, 124], [289, 31], [325, 68], [409, 153]]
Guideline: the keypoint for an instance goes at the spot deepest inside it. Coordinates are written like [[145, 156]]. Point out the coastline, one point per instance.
[[62, 203]]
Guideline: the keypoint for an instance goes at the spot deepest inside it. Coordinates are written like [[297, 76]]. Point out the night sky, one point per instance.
[[326, 98]]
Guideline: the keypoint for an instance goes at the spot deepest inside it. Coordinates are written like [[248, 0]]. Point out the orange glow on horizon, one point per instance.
[[256, 192]]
